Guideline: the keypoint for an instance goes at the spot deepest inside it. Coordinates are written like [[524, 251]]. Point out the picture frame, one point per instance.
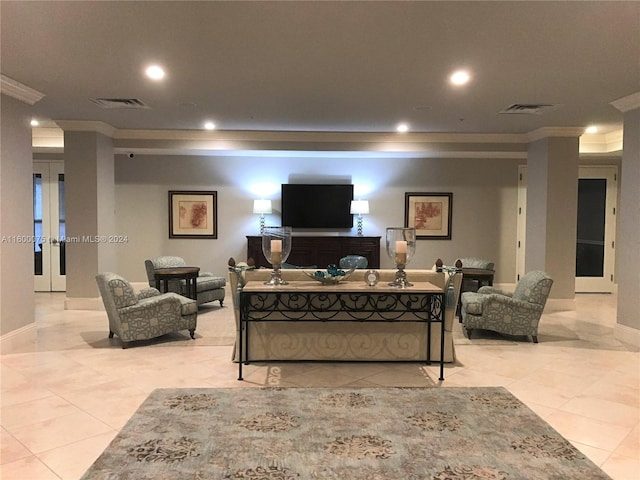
[[430, 214], [193, 214]]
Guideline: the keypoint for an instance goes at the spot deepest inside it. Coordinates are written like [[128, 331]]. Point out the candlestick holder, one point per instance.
[[276, 246], [401, 246]]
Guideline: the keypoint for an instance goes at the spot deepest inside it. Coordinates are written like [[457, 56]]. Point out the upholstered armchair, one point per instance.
[[354, 261], [209, 288], [145, 315], [516, 313]]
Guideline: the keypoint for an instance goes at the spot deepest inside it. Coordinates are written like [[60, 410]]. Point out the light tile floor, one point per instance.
[[65, 397]]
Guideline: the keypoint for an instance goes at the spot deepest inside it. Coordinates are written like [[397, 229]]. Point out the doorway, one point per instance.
[[49, 227], [595, 247], [595, 236]]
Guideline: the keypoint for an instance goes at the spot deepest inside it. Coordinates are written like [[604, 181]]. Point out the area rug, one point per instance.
[[342, 433]]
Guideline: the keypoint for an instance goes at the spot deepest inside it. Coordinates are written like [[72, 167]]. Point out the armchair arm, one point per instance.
[[206, 274], [498, 301], [148, 293], [492, 290], [167, 303]]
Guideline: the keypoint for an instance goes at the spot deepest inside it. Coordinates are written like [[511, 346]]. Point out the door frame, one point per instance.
[[51, 280]]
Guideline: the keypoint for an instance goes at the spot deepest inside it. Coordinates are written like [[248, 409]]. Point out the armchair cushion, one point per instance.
[[148, 292]]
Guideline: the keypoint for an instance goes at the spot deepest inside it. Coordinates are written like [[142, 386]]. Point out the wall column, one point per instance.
[[16, 225], [628, 240], [552, 210], [90, 209]]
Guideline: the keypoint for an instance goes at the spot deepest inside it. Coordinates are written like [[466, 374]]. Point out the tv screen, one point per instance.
[[316, 205]]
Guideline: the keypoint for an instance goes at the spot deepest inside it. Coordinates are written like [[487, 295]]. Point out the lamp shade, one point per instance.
[[262, 206], [359, 207]]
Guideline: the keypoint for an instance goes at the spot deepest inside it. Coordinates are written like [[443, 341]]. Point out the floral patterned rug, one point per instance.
[[340, 433]]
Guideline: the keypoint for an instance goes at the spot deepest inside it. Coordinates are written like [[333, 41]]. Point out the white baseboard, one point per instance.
[[95, 303], [559, 305], [83, 303], [18, 338], [628, 335]]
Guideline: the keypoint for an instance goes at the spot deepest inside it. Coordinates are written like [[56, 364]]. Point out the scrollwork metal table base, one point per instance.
[[345, 302]]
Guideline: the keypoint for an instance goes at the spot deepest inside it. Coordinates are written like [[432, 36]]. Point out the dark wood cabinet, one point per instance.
[[320, 251]]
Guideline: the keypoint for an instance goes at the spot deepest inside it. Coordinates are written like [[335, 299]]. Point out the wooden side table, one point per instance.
[[188, 274]]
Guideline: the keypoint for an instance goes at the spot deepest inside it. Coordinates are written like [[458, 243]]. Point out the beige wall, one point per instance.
[[484, 204], [89, 196], [628, 273], [16, 205]]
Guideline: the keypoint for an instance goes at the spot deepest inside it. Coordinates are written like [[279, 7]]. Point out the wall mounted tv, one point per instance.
[[317, 205]]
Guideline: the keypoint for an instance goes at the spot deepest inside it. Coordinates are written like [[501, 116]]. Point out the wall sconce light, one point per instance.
[[261, 207], [359, 207]]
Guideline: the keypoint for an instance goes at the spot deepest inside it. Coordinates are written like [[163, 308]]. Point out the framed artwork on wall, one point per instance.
[[193, 214], [429, 214]]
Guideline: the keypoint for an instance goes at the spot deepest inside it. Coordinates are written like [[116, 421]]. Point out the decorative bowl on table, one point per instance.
[[331, 276]]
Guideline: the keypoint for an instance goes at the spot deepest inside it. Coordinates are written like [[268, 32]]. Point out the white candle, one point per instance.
[[401, 252], [276, 252]]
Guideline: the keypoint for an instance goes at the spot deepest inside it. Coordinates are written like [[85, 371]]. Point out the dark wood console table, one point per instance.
[[320, 250], [345, 302]]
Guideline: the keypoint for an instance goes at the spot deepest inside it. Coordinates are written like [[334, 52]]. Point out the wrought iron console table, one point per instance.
[[344, 302]]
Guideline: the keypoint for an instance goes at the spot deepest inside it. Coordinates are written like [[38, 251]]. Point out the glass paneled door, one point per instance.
[[49, 227], [597, 194]]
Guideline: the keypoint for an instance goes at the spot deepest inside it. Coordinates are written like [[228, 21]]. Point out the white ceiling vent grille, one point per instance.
[[529, 108], [118, 103]]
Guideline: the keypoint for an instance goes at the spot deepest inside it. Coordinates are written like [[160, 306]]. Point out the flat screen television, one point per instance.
[[317, 205]]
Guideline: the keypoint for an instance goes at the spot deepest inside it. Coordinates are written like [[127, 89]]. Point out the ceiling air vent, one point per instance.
[[529, 108], [118, 103]]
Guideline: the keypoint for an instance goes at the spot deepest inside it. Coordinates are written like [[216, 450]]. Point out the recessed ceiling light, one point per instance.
[[460, 77], [34, 122], [591, 129], [154, 72], [209, 126], [402, 127]]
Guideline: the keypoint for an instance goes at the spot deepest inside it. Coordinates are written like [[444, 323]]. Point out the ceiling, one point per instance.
[[326, 66]]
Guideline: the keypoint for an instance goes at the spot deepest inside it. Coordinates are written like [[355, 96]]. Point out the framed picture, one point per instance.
[[193, 214], [429, 214]]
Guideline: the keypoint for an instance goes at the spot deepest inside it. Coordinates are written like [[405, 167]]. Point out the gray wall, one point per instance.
[[484, 204], [16, 204]]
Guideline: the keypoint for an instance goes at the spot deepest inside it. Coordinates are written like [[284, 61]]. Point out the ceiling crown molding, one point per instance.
[[546, 132], [630, 102], [17, 90], [86, 126]]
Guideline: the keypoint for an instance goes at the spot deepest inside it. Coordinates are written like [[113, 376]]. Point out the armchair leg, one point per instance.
[[110, 334], [192, 332], [220, 302], [535, 338], [469, 330]]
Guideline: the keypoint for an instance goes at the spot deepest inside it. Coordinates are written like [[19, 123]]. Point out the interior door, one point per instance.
[[49, 227], [595, 247]]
